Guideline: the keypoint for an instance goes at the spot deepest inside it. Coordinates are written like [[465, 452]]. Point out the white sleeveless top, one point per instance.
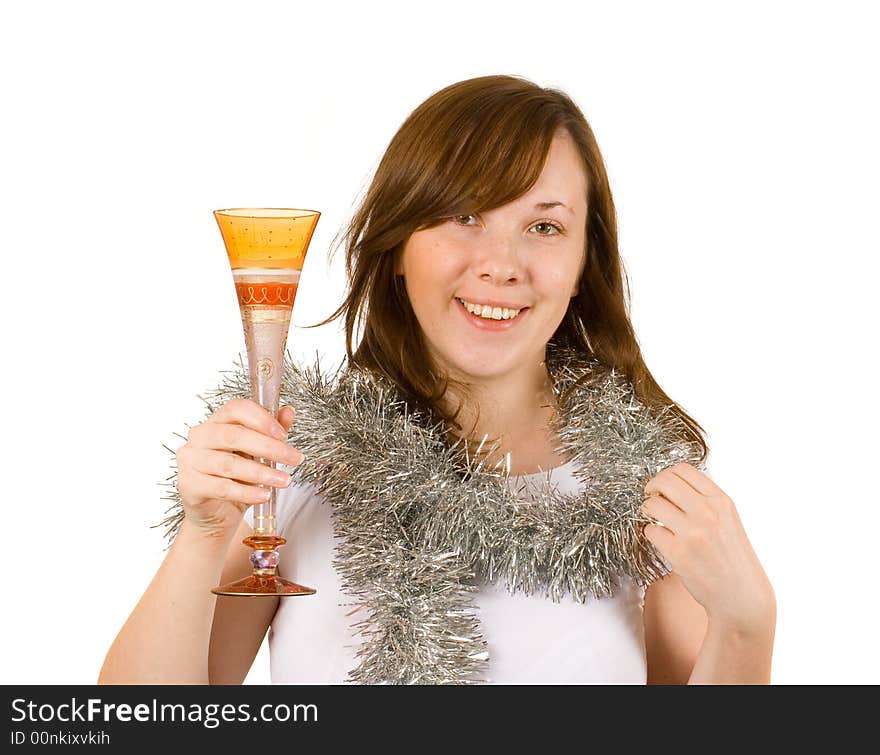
[[531, 639]]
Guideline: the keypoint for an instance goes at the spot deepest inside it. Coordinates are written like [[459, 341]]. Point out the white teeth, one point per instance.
[[490, 313]]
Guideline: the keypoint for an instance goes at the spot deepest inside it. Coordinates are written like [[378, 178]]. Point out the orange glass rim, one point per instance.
[[265, 212]]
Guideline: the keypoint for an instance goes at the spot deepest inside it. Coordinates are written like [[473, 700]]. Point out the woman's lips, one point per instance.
[[488, 324]]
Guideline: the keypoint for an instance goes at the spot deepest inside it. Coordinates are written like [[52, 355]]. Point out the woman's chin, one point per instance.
[[488, 368]]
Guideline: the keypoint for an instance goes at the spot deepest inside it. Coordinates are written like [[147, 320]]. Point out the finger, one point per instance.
[[249, 413], [697, 479], [285, 417], [675, 490], [661, 538], [235, 438], [235, 467], [668, 514], [224, 489]]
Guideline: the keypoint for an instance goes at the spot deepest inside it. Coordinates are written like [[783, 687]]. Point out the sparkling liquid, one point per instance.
[[265, 299]]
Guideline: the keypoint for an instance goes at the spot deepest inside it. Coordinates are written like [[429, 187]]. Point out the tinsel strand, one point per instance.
[[418, 521]]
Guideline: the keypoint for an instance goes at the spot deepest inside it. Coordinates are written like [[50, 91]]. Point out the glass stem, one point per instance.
[[266, 393]]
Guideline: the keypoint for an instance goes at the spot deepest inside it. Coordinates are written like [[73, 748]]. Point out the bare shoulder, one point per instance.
[[240, 624], [675, 625]]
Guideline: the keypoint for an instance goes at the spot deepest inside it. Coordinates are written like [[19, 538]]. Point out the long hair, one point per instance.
[[471, 147]]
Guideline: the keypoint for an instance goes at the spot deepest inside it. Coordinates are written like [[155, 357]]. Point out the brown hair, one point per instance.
[[471, 147]]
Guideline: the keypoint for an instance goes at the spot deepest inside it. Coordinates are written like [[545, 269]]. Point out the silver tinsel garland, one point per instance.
[[420, 520]]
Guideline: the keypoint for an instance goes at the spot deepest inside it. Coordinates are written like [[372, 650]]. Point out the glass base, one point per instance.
[[259, 584]]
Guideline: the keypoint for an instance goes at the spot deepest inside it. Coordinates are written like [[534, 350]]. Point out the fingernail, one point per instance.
[[279, 432]]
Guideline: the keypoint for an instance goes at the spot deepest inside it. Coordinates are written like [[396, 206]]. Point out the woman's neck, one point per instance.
[[517, 411]]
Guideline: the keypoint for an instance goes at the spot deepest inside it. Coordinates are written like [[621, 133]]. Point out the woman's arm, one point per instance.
[[179, 632], [734, 654], [712, 620], [239, 623], [174, 634], [685, 647], [165, 639], [675, 625]]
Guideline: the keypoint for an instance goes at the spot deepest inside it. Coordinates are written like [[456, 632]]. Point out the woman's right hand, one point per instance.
[[217, 478]]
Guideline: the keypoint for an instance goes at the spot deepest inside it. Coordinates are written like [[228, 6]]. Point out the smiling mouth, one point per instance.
[[486, 312]]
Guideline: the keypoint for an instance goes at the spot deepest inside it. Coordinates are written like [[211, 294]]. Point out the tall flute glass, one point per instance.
[[266, 248]]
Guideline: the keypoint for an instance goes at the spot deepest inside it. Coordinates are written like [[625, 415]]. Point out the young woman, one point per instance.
[[488, 232]]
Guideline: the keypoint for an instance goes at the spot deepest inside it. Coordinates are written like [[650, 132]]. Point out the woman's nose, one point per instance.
[[498, 261], [500, 276]]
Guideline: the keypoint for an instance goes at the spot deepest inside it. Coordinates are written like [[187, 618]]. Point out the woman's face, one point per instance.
[[520, 256]]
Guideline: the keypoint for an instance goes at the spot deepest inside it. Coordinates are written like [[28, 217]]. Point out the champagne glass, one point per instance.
[[266, 249]]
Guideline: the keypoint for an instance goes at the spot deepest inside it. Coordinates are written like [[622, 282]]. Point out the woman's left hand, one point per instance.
[[703, 540]]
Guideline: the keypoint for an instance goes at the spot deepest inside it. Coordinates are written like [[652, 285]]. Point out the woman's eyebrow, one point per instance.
[[550, 205]]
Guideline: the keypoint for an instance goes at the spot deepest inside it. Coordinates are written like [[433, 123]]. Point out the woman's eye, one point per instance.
[[552, 228], [549, 229], [457, 218]]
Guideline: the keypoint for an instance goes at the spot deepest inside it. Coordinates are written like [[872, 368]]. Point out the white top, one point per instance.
[[531, 639]]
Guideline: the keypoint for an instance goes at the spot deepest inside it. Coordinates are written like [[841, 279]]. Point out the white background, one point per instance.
[[741, 143]]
